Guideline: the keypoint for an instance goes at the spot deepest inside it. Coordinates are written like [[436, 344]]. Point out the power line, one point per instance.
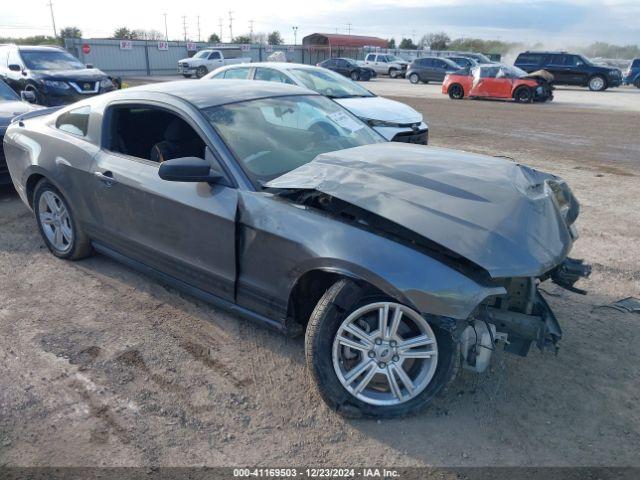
[[295, 35], [348, 29], [221, 30], [184, 27], [53, 20], [231, 25], [250, 31], [198, 18]]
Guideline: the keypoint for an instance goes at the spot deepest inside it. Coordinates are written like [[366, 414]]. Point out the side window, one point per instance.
[[636, 63], [383, 59], [426, 62], [237, 73], [270, 75], [573, 61], [74, 121], [370, 58], [214, 56], [151, 133], [557, 60], [528, 59]]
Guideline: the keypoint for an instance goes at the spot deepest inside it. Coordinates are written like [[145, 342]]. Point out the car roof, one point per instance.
[[206, 93], [40, 48]]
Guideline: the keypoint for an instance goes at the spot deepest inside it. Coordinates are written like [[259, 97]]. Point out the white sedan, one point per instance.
[[395, 121]]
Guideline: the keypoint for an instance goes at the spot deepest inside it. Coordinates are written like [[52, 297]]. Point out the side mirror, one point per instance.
[[89, 65], [188, 169], [14, 67], [28, 96]]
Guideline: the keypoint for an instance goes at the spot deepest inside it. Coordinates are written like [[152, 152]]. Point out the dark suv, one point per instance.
[[54, 76], [632, 76], [570, 69]]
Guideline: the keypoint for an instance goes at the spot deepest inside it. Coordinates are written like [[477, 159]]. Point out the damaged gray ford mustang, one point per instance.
[[401, 262]]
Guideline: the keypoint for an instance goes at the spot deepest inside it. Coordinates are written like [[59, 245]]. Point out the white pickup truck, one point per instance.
[[206, 61], [386, 64]]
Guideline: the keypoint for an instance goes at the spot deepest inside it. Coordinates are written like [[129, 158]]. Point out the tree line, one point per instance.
[[442, 41]]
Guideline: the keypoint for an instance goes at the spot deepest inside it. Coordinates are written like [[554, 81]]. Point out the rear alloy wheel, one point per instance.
[[523, 95], [355, 76], [414, 78], [637, 83], [57, 227], [201, 71], [393, 73], [372, 356], [597, 84], [456, 92]]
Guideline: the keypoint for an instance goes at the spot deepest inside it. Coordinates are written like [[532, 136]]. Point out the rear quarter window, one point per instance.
[[529, 59], [75, 122]]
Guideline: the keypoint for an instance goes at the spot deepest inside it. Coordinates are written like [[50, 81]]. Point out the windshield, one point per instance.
[[513, 72], [585, 60], [50, 60], [6, 93], [329, 84], [202, 54], [393, 58], [272, 136]]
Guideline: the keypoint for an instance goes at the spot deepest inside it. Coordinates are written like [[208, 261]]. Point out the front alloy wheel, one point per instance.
[[372, 356], [385, 353], [597, 84], [201, 71]]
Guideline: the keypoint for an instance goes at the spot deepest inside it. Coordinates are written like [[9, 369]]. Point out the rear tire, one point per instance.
[[340, 303], [57, 225], [597, 83], [414, 78], [456, 92], [523, 95]]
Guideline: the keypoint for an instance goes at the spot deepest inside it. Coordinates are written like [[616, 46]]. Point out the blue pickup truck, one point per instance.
[[632, 77]]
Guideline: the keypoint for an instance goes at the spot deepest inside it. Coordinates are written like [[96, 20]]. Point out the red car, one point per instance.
[[499, 81]]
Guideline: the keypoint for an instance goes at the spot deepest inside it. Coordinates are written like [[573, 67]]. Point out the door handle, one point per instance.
[[105, 177]]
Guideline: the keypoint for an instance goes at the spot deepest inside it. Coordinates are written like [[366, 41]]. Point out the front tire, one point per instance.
[[414, 78], [637, 83], [59, 230], [456, 92], [361, 371], [393, 73], [597, 83], [201, 71], [355, 76], [523, 95], [186, 75]]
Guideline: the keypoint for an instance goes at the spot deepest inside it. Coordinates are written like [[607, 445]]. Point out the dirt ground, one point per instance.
[[102, 366]]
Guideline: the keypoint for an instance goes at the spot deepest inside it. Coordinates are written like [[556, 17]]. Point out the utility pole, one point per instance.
[[250, 31], [184, 27], [53, 20], [231, 25], [295, 35], [166, 30], [198, 18], [348, 29], [221, 29]]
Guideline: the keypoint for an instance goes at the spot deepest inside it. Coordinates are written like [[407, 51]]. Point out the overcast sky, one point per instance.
[[554, 22]]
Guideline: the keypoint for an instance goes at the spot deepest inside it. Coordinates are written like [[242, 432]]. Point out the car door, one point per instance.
[[576, 71], [342, 67], [214, 60], [439, 69], [182, 229], [556, 65]]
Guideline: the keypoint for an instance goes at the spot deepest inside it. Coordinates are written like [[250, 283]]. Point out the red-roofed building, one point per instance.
[[334, 40]]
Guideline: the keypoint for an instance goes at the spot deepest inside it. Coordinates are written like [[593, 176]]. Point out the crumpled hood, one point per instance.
[[74, 75], [378, 108], [496, 213]]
